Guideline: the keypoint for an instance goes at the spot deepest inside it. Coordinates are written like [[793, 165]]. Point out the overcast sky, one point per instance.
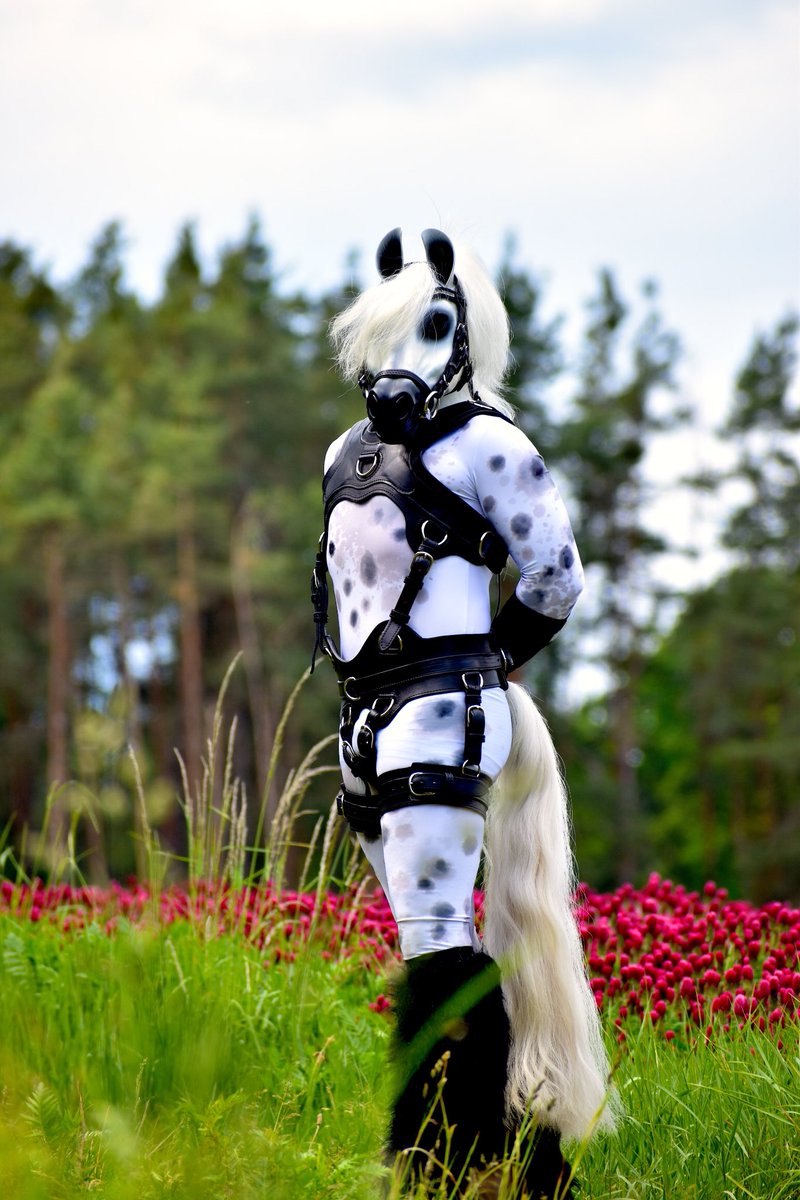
[[659, 137]]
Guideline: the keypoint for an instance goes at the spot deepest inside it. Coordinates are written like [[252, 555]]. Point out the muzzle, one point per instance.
[[397, 401]]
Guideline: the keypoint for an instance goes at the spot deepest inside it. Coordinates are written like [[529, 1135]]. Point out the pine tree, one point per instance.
[[618, 409]]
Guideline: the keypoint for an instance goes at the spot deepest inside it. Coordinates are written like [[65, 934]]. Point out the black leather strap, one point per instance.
[[421, 783]]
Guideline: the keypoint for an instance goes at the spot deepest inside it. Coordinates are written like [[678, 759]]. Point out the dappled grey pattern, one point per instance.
[[494, 467], [423, 865], [427, 858]]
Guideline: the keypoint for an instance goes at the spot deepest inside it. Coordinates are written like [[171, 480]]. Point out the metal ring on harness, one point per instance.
[[371, 463], [426, 537]]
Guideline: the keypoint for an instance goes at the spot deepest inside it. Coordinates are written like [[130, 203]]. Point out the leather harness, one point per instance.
[[395, 664]]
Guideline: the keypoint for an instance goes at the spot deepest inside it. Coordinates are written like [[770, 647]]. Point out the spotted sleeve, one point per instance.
[[517, 494]]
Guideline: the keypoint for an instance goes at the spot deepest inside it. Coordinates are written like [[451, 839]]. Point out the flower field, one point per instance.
[[219, 1041], [690, 963]]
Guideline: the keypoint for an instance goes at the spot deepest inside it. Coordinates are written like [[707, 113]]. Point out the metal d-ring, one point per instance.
[[427, 538], [430, 405], [370, 465]]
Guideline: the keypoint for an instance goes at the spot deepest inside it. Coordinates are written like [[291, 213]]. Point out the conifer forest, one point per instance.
[[160, 468]]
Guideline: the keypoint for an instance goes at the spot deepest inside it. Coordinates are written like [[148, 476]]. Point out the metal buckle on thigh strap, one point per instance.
[[421, 783], [432, 783]]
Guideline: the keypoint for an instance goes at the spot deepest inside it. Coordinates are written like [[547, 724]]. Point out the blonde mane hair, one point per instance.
[[389, 311]]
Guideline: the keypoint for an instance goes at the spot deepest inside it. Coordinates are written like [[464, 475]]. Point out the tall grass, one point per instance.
[[159, 1062], [172, 1061]]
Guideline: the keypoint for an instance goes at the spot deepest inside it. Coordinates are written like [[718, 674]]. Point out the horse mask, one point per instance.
[[398, 399]]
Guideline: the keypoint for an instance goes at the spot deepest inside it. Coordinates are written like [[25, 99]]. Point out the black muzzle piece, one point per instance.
[[397, 402]]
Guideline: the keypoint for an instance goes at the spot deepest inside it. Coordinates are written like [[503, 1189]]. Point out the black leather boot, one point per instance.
[[451, 1055], [450, 1052]]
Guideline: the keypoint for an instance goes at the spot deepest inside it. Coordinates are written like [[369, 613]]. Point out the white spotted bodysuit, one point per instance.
[[427, 857]]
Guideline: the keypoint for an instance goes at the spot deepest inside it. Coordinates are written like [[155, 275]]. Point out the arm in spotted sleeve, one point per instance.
[[520, 498]]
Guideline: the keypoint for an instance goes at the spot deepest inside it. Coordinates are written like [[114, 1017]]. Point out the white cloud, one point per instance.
[[673, 155]]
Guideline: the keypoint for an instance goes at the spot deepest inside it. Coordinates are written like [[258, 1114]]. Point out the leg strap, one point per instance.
[[421, 783]]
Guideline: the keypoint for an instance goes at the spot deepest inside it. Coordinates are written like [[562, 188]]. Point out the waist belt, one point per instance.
[[465, 663]]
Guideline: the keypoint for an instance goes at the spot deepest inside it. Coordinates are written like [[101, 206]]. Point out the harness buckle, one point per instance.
[[345, 718], [472, 769], [468, 685], [483, 550], [476, 719], [387, 703], [419, 789], [422, 559], [350, 679], [365, 740]]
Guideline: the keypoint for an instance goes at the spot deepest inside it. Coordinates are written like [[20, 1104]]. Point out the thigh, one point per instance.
[[430, 857], [431, 730]]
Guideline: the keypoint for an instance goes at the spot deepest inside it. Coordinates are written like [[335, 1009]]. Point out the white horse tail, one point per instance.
[[558, 1068]]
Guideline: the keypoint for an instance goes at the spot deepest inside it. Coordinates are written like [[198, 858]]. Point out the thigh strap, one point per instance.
[[421, 783]]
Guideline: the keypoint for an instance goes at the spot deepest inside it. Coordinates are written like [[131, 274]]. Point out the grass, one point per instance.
[[173, 1061], [164, 1063], [160, 1063]]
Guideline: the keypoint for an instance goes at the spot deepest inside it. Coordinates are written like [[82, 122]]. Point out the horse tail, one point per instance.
[[558, 1068]]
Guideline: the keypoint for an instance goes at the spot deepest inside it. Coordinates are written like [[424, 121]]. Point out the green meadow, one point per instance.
[[175, 1062]]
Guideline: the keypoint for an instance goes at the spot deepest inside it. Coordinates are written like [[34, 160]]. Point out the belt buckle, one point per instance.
[[416, 791], [423, 558]]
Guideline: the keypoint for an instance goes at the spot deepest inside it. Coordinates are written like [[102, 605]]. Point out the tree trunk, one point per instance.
[[626, 769], [261, 714], [191, 673], [130, 691], [57, 684]]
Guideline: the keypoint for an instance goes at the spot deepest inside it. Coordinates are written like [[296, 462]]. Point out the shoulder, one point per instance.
[[491, 434], [336, 447], [332, 453]]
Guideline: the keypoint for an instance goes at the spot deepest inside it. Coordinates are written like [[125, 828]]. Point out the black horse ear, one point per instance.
[[440, 252], [390, 254]]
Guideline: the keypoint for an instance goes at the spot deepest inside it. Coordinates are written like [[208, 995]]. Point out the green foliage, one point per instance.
[[159, 512], [764, 426], [161, 1063]]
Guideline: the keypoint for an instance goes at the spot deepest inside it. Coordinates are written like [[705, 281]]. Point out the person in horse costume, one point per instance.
[[442, 757]]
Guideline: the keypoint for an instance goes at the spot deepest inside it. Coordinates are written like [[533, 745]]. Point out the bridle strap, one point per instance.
[[457, 366]]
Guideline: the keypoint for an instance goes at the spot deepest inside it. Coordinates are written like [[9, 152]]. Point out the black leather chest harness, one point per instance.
[[395, 664]]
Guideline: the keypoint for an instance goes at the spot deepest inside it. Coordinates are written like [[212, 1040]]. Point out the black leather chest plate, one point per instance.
[[367, 467]]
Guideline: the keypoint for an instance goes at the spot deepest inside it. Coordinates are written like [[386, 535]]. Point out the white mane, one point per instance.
[[388, 312]]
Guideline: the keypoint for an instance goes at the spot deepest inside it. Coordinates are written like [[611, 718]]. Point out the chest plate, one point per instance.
[[367, 467]]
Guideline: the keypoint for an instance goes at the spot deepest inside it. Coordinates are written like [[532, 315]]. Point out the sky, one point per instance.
[[661, 139]]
